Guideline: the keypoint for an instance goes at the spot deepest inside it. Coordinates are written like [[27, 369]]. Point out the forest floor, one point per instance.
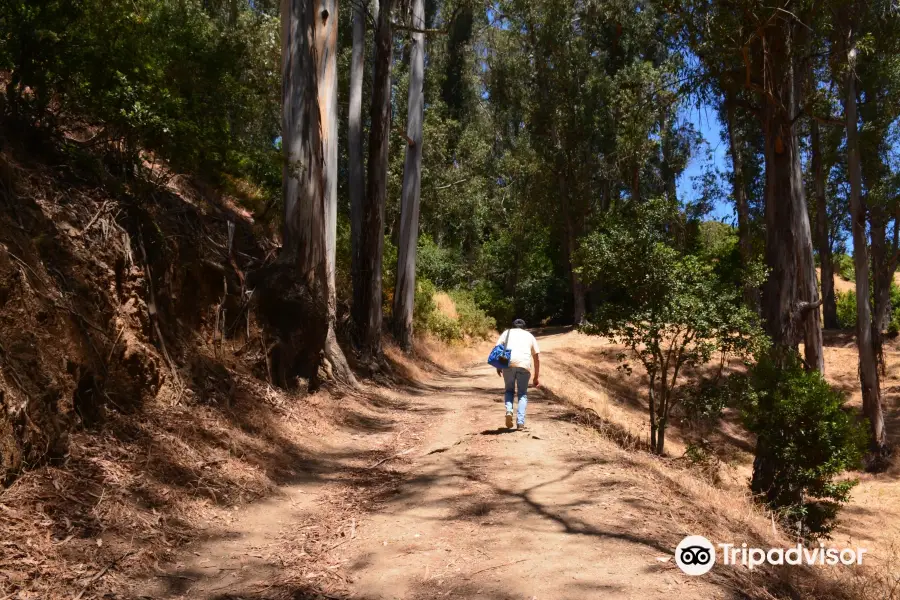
[[460, 507]]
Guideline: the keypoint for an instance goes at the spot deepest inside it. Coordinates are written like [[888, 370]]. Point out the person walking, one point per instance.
[[524, 356]]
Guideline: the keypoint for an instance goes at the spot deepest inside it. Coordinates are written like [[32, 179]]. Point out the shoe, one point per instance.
[[509, 420], [521, 426]]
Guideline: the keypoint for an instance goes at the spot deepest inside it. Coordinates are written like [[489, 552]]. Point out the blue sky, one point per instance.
[[706, 121]]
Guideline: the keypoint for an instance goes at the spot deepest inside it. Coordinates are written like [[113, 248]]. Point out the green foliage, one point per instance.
[[668, 308], [811, 439], [894, 323], [704, 403], [473, 321], [718, 245], [489, 297], [846, 309], [440, 265], [423, 304], [470, 322], [843, 266], [193, 83], [716, 240]]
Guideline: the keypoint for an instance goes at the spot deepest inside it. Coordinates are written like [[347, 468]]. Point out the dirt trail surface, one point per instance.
[[470, 510]]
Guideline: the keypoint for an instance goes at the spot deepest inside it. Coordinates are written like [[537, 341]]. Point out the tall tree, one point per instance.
[[878, 76], [768, 40], [326, 26], [405, 289], [295, 294], [367, 286], [739, 193], [868, 361], [356, 183], [823, 240], [790, 294]]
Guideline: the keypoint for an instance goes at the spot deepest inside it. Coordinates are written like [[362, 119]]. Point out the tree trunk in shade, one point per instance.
[[829, 301], [405, 290], [367, 290], [868, 360]]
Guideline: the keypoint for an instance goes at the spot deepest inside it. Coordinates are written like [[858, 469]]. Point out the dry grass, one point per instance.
[[840, 284], [446, 305], [614, 405]]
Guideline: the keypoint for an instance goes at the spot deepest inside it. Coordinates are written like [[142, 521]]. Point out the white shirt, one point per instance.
[[522, 346]]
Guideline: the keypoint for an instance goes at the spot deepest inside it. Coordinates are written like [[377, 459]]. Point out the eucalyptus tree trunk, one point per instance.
[[356, 181], [739, 191], [326, 57], [579, 309], [326, 25], [367, 300], [790, 296], [829, 301], [405, 290], [882, 276], [884, 265], [294, 291], [868, 362]]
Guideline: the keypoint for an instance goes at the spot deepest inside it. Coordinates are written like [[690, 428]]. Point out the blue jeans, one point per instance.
[[516, 379]]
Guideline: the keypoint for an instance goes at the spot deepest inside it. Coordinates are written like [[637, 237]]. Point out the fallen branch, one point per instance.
[[384, 460], [411, 29], [94, 218], [100, 574], [449, 185], [154, 317], [495, 567]]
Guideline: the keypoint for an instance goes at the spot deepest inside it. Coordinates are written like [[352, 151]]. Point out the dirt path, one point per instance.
[[474, 511]]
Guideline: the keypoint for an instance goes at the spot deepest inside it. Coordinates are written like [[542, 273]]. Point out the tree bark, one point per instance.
[[405, 289], [326, 15], [356, 182], [571, 234], [739, 191], [668, 173], [326, 26], [868, 364], [367, 300], [826, 262], [881, 280], [791, 288], [790, 294], [294, 291]]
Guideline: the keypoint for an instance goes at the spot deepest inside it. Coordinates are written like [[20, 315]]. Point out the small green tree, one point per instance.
[[668, 308], [810, 438]]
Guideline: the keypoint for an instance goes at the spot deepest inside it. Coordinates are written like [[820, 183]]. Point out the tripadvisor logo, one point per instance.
[[696, 555]]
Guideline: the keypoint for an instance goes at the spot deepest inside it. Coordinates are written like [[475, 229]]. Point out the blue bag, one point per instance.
[[499, 356]]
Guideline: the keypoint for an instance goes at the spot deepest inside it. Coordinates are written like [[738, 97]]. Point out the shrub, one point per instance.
[[703, 404], [843, 266], [846, 309], [805, 440], [423, 304], [444, 327], [672, 311], [470, 321], [473, 321], [894, 322], [438, 264], [192, 82], [491, 299]]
